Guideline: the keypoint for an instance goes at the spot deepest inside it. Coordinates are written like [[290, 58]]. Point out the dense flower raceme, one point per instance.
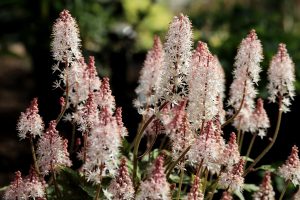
[[155, 187], [29, 188], [226, 196], [66, 41], [121, 187], [281, 76], [260, 119], [30, 123], [149, 78], [290, 171], [265, 191], [52, 150], [172, 85], [246, 75], [195, 193], [205, 86], [231, 154]]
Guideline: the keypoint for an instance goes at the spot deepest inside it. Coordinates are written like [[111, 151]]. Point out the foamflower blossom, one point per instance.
[[205, 86], [290, 170], [246, 75], [30, 123], [52, 150], [260, 119], [233, 179], [66, 41], [149, 77], [195, 192], [155, 187], [176, 66], [281, 75], [231, 154], [121, 186], [265, 191], [28, 188], [226, 196]]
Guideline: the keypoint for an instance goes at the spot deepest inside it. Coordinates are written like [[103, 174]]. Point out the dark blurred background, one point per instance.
[[119, 33]]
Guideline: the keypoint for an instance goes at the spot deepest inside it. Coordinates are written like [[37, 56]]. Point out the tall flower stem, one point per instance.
[[250, 147], [238, 111], [99, 185], [137, 142], [36, 167], [57, 191], [172, 165], [284, 189], [205, 181], [241, 140], [180, 183], [73, 138], [270, 145]]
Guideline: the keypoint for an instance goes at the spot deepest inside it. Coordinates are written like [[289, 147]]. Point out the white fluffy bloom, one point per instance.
[[246, 75], [149, 77], [265, 191], [52, 150], [66, 41], [205, 86], [30, 123], [177, 60], [281, 76]]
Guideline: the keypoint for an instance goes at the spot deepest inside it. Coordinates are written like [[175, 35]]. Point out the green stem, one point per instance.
[[73, 138], [241, 141], [150, 146], [284, 189], [205, 181], [57, 191], [250, 147], [98, 192], [172, 165], [238, 111], [34, 157], [137, 142], [63, 110], [265, 151], [180, 183]]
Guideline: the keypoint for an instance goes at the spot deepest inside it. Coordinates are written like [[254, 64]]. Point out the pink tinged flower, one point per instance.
[[231, 154], [265, 191], [121, 186], [34, 188], [177, 60], [66, 41], [30, 123], [246, 75], [16, 189], [103, 148], [122, 129], [260, 120], [195, 193], [226, 196], [290, 171], [221, 90], [104, 97], [52, 150], [232, 180], [149, 77], [156, 185], [179, 131], [281, 75], [87, 115], [207, 148], [205, 86]]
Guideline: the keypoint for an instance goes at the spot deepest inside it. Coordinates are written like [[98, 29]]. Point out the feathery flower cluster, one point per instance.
[[281, 76], [205, 86], [246, 74], [30, 188], [233, 179], [176, 66], [121, 187], [291, 169], [66, 41], [260, 119], [52, 150], [195, 193], [226, 196], [208, 147], [149, 78], [30, 123], [156, 186], [265, 191], [231, 154]]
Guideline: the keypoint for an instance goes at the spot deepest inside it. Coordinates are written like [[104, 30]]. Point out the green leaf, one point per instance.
[[247, 159], [250, 187], [269, 168], [239, 195]]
